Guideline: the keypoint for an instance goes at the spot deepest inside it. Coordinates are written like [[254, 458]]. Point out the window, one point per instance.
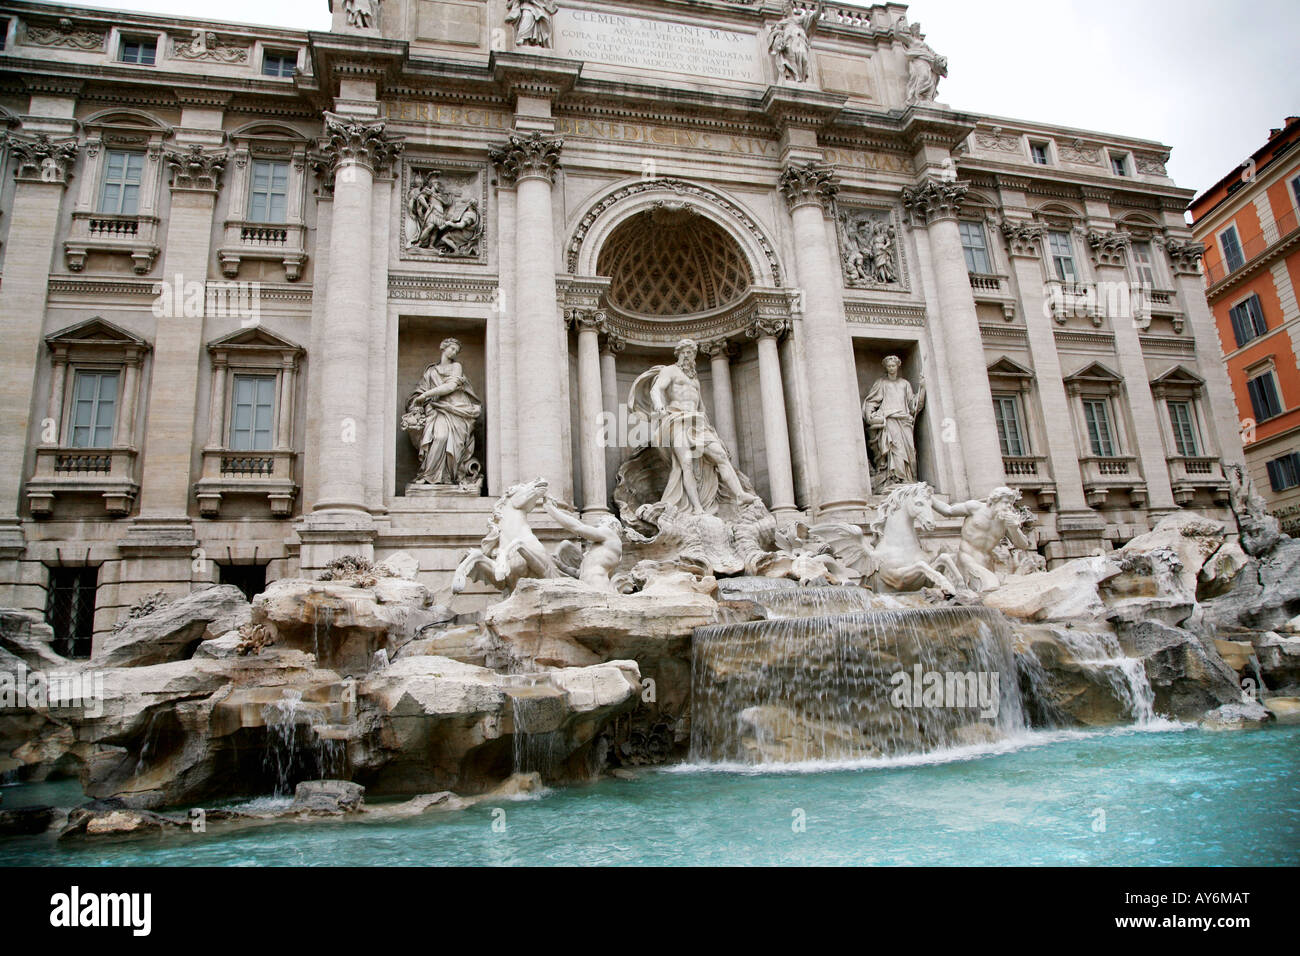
[[975, 248], [70, 609], [1182, 423], [94, 408], [1039, 153], [1144, 264], [249, 578], [137, 50], [1284, 472], [268, 194], [1062, 256], [1232, 254], [1118, 165], [121, 191], [1247, 320], [251, 413], [279, 64], [1295, 189], [1264, 398], [1096, 414], [1011, 430]]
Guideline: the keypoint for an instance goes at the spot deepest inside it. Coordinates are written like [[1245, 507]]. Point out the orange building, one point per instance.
[[1249, 222]]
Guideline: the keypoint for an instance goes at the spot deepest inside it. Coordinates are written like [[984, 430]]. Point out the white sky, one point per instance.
[[1208, 78]]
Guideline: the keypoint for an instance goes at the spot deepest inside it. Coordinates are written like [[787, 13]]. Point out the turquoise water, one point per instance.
[[1167, 797]]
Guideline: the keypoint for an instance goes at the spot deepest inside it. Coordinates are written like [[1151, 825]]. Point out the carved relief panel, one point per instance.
[[871, 251], [444, 205]]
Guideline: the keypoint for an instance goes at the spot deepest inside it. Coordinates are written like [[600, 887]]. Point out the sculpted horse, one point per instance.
[[510, 550], [895, 559]]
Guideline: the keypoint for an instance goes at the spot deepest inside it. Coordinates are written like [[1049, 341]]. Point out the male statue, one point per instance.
[[988, 521]]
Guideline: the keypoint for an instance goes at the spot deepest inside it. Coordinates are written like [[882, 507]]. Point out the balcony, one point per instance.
[[1030, 473], [1073, 299], [995, 289], [239, 473], [1190, 473], [62, 472], [134, 236], [278, 242], [1101, 476], [1256, 249]]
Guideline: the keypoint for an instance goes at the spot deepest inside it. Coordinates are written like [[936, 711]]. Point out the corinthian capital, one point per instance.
[[585, 320], [196, 168], [350, 141], [805, 184], [527, 156], [933, 199], [1108, 247], [41, 160], [765, 326], [1185, 256], [1023, 237]]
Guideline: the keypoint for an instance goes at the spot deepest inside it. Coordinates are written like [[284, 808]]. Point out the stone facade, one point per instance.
[[230, 253], [1249, 226]]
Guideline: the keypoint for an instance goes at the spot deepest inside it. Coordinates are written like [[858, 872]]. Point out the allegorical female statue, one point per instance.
[[440, 419], [532, 20], [788, 43], [890, 412]]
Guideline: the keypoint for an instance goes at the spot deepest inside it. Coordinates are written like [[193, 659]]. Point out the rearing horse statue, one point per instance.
[[895, 559]]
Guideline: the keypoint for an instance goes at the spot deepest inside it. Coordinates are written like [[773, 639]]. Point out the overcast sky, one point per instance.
[[1208, 78]]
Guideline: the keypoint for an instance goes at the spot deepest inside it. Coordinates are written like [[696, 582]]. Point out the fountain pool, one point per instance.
[[1168, 795]]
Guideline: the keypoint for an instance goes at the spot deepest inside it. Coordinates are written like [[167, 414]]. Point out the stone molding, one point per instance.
[[527, 156], [1023, 238], [1108, 247], [1185, 256]]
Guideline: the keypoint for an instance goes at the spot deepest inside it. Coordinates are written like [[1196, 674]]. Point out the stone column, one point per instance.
[[589, 325], [614, 344], [42, 166], [1024, 250], [284, 427], [776, 433], [165, 480], [217, 404], [529, 161], [1108, 251], [720, 352], [837, 424], [1222, 422], [355, 149], [935, 202]]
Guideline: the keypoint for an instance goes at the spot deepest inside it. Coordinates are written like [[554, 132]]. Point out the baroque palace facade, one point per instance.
[[232, 254]]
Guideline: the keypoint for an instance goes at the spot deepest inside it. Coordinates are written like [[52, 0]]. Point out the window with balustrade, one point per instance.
[[1061, 248], [123, 174], [250, 449], [974, 244], [266, 189], [87, 446]]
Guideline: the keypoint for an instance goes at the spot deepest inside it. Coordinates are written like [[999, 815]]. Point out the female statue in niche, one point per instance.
[[440, 418], [890, 412]]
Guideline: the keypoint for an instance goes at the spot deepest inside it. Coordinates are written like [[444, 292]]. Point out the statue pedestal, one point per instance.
[[414, 490]]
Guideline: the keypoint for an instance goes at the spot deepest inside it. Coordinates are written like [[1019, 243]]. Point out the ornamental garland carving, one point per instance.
[[206, 45], [64, 34], [1076, 152], [442, 212]]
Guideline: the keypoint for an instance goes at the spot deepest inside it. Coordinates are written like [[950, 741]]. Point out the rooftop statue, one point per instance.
[[788, 43], [532, 20], [924, 67]]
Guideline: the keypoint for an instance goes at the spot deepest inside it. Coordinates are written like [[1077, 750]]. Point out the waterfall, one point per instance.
[[325, 613], [1101, 654], [281, 719], [536, 745], [851, 685], [147, 743]]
